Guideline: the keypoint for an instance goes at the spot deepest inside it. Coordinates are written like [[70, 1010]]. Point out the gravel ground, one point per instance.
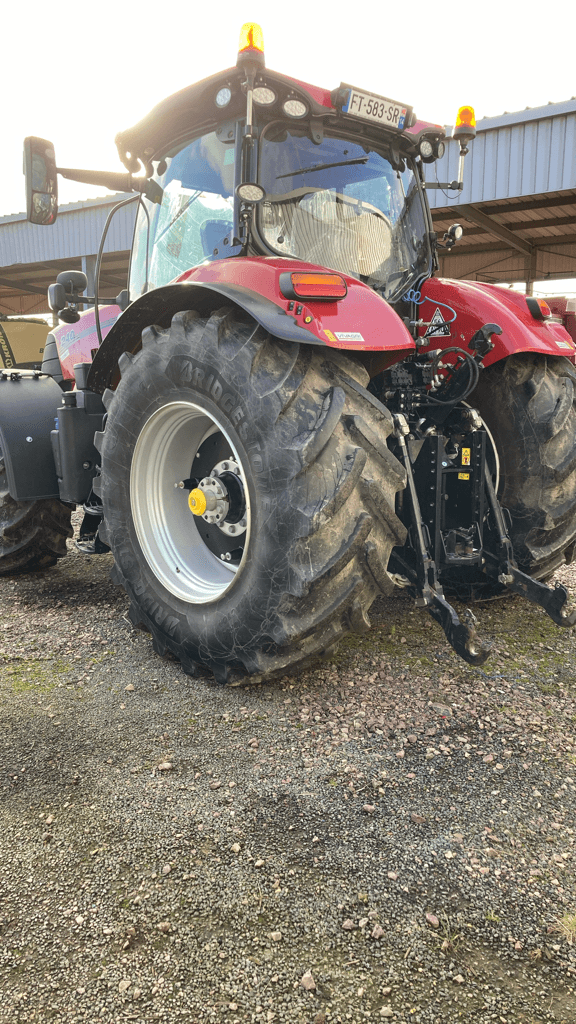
[[390, 835]]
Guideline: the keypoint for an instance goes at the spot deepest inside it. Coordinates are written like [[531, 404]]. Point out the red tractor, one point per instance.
[[289, 414]]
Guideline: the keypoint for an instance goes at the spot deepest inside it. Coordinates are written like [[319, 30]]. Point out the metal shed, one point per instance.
[[518, 206], [32, 256]]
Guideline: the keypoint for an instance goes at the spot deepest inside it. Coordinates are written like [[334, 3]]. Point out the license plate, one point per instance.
[[377, 109]]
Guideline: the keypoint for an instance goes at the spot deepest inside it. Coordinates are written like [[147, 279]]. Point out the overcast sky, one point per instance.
[[78, 73]]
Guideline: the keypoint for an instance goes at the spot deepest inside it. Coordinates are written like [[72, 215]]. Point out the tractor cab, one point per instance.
[[322, 192], [339, 203], [251, 162]]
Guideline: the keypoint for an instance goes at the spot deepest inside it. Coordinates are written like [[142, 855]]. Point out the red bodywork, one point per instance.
[[477, 304], [362, 312], [78, 343], [362, 321], [564, 308]]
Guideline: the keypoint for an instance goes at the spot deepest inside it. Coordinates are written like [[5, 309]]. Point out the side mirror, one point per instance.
[[74, 281], [41, 181], [64, 296]]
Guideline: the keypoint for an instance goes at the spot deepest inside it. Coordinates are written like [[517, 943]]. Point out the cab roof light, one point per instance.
[[308, 285], [431, 149], [251, 46], [293, 107], [538, 307], [264, 96], [465, 127]]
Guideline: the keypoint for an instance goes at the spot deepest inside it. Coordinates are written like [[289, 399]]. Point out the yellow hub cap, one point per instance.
[[197, 502]]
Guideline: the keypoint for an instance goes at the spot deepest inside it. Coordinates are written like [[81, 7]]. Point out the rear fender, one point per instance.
[[78, 343], [28, 407], [362, 322], [476, 304]]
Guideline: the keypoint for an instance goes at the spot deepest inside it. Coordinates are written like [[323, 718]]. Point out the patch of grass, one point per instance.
[[566, 926], [25, 675], [548, 688], [449, 937], [99, 658]]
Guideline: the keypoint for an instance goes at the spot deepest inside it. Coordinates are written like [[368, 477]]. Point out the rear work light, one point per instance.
[[538, 307], [306, 285]]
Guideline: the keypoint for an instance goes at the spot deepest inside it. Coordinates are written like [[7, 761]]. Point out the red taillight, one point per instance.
[[306, 285], [538, 307]]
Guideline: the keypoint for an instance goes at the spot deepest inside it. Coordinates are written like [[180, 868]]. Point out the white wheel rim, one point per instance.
[[170, 538]]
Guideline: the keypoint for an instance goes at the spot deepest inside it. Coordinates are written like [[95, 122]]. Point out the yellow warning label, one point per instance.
[[330, 336], [463, 476], [466, 456]]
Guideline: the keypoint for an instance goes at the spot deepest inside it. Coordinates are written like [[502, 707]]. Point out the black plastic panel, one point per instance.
[[28, 407]]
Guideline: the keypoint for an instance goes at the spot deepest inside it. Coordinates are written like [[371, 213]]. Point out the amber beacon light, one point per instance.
[[251, 46], [465, 127]]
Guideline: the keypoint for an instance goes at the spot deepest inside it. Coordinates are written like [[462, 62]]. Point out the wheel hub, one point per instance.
[[219, 498], [209, 500], [185, 462]]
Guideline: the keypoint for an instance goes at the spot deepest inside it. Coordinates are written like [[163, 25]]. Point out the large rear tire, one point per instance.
[[529, 403], [299, 448], [32, 533]]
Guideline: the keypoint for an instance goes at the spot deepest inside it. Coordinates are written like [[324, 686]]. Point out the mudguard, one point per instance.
[[77, 343], [475, 304], [362, 321], [29, 405]]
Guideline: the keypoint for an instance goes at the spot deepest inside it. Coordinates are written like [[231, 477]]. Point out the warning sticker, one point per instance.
[[349, 336], [438, 326], [466, 456], [463, 476]]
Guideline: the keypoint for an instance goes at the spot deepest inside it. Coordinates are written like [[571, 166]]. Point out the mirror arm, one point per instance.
[[455, 186], [115, 182]]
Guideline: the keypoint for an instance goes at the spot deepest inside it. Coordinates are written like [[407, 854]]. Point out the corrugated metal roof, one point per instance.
[[31, 256], [513, 155], [518, 205], [529, 114], [77, 232]]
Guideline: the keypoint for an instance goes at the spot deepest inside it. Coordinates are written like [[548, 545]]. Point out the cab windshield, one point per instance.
[[344, 206], [196, 213]]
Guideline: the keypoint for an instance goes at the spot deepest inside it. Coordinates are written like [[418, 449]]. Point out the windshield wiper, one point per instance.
[[323, 167]]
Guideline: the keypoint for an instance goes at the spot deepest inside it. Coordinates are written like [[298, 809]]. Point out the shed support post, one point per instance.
[[88, 267], [531, 271]]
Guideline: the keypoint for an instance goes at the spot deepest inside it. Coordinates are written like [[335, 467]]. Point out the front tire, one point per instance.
[[300, 450], [529, 403], [32, 533]]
